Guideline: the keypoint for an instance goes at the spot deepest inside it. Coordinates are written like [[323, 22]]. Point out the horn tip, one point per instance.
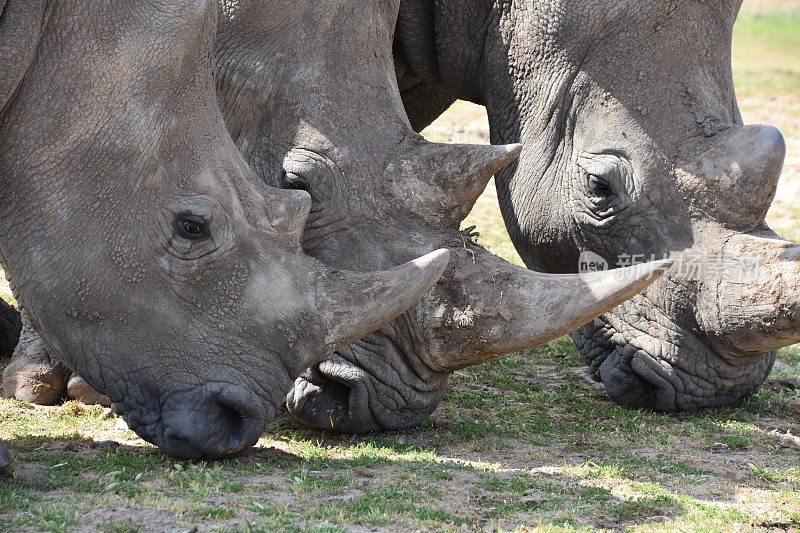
[[506, 154], [436, 261], [651, 269]]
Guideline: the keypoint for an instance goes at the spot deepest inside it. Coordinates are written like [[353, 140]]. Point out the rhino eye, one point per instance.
[[191, 227], [599, 188], [293, 180]]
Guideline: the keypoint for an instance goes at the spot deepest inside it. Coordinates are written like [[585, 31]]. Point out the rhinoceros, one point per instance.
[[312, 98], [138, 241], [634, 147]]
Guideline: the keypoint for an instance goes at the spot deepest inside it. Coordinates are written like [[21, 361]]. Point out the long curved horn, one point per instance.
[[754, 306], [493, 307], [351, 305]]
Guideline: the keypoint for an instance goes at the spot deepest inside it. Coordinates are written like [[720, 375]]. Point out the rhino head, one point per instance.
[[144, 250], [635, 148], [312, 97]]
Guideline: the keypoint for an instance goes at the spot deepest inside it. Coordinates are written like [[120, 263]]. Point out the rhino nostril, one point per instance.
[[626, 387], [240, 420], [212, 421], [233, 424]]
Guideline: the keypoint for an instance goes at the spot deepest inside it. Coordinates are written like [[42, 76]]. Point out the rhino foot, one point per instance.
[[78, 389], [33, 374], [5, 459]]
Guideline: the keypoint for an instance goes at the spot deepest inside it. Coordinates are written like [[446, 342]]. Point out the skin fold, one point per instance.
[[10, 329], [150, 258], [329, 120], [634, 148]]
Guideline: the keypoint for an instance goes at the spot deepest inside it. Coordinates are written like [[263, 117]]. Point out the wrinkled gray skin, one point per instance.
[[5, 458], [633, 145], [10, 329], [146, 253], [327, 118]]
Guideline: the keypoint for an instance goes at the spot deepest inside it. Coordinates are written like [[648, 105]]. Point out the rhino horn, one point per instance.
[[449, 178], [759, 310], [741, 162], [352, 305], [505, 308]]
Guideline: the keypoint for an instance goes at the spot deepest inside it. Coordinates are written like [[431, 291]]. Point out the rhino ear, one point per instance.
[[443, 181], [21, 23], [289, 210]]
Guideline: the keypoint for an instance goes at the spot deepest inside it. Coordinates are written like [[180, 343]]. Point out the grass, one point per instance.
[[523, 442], [569, 459], [766, 54]]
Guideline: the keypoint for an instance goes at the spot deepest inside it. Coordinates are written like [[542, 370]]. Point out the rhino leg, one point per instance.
[[78, 389], [368, 386], [5, 458], [10, 329], [33, 374]]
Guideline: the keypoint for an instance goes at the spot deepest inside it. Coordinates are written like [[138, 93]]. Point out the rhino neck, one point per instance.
[[21, 24], [439, 52]]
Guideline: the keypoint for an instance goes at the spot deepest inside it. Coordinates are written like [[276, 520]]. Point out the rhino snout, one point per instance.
[[209, 422]]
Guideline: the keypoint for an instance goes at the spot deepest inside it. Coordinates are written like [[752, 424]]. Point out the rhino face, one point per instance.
[[635, 148], [329, 120], [145, 251]]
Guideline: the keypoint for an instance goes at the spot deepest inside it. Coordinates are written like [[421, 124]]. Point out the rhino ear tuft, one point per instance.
[[450, 178]]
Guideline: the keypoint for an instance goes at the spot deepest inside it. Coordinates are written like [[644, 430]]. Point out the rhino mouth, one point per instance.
[[675, 372], [374, 384]]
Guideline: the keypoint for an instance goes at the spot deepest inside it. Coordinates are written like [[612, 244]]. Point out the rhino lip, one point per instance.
[[636, 378], [349, 391]]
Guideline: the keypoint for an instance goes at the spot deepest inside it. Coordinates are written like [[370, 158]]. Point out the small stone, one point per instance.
[[532, 497], [106, 444], [719, 447], [120, 424]]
